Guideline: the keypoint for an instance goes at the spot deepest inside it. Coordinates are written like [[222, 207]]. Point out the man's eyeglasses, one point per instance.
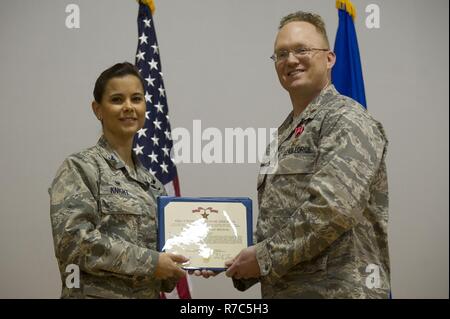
[[283, 55]]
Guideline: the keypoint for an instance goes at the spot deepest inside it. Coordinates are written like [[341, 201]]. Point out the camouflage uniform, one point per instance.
[[323, 213], [104, 221]]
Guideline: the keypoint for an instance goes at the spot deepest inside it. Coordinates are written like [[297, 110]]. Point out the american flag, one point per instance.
[[153, 143]]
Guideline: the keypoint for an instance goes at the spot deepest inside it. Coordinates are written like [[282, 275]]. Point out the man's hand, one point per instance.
[[167, 267], [244, 265]]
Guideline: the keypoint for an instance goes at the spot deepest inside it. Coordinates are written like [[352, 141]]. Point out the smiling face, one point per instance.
[[307, 74], [122, 108]]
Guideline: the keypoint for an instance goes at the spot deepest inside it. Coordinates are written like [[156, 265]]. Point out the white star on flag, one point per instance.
[[157, 124], [166, 151], [162, 91], [143, 38], [155, 49], [147, 22], [159, 107], [153, 64], [148, 97], [153, 157], [141, 132], [155, 140], [140, 55], [164, 167], [150, 80], [138, 149]]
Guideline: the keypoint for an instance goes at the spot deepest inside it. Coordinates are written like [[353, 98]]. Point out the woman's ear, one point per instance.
[[97, 110]]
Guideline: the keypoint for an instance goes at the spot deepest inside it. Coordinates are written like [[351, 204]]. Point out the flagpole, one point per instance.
[[347, 6], [150, 4]]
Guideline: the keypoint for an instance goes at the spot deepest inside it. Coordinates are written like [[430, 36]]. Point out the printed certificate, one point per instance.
[[208, 231]]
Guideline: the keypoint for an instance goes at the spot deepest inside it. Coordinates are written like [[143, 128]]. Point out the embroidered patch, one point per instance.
[[298, 131]]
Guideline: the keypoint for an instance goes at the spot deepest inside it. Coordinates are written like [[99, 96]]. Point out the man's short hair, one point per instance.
[[312, 18]]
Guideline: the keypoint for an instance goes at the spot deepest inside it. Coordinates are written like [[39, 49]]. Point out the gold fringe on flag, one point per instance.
[[149, 3], [348, 6]]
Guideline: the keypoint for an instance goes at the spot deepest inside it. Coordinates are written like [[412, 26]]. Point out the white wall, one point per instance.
[[215, 60]]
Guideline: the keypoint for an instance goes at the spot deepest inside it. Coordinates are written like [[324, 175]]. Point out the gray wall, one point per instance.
[[215, 60]]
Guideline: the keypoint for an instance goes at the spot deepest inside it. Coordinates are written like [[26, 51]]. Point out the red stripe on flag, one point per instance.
[[183, 289], [182, 285], [176, 186]]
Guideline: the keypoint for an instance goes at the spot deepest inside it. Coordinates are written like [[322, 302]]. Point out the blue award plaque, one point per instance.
[[207, 230]]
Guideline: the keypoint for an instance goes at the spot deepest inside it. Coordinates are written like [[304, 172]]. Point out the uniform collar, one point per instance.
[[311, 110], [114, 160], [319, 101], [109, 154]]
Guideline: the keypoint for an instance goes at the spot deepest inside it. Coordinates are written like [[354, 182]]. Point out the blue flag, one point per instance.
[[347, 72]]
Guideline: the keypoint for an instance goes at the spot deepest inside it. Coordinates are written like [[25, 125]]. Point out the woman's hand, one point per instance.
[[204, 273], [168, 267]]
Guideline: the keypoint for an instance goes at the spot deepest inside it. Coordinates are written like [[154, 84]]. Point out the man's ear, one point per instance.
[[97, 110], [331, 59]]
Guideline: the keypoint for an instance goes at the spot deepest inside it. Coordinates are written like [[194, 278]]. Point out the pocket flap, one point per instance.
[[303, 164], [113, 205]]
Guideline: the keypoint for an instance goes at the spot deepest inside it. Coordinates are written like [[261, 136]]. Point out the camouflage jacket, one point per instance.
[[103, 219], [323, 211]]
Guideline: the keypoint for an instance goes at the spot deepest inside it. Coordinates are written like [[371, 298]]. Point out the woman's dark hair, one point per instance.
[[117, 70]]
